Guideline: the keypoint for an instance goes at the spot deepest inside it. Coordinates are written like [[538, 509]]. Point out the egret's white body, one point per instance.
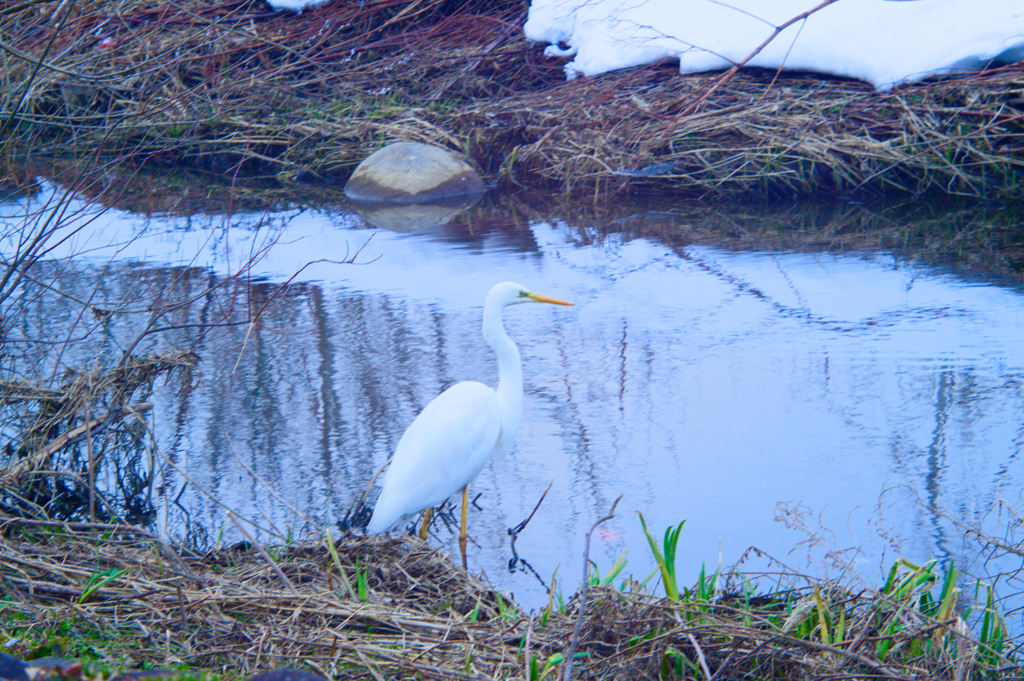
[[461, 429]]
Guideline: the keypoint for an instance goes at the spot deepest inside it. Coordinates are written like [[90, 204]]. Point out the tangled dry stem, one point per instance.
[[233, 87], [89, 410], [420, 616]]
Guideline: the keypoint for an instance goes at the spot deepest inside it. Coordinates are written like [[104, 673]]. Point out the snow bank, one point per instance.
[[884, 42], [294, 5]]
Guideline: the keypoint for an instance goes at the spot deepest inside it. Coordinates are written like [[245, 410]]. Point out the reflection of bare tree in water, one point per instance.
[[993, 534], [936, 458], [85, 349], [983, 534]]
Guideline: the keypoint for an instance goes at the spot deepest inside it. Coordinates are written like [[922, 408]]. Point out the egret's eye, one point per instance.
[[524, 294]]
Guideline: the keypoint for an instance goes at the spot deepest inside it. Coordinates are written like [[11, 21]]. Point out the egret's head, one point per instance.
[[511, 293]]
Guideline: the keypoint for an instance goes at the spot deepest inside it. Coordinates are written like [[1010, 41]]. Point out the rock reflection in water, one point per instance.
[[409, 217]]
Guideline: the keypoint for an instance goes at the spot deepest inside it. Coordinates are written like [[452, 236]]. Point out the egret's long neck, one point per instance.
[[510, 374]]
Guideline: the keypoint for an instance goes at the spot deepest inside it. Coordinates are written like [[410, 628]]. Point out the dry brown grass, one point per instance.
[[234, 87], [132, 599], [55, 419]]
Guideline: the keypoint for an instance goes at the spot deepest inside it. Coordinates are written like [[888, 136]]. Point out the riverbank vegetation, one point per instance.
[[238, 89], [115, 598]]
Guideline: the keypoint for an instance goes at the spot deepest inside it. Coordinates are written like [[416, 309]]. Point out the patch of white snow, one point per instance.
[[294, 5], [884, 42]]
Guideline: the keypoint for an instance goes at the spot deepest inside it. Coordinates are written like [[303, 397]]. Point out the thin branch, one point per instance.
[[581, 609]]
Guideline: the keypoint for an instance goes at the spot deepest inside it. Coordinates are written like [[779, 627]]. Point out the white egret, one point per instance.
[[448, 444]]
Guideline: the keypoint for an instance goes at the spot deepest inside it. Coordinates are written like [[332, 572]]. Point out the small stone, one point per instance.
[[11, 668], [410, 172], [287, 675]]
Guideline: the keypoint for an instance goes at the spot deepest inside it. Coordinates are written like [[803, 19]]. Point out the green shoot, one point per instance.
[[337, 564], [993, 633], [822, 619], [551, 598], [840, 632], [667, 560], [507, 611], [613, 572], [908, 589], [361, 583], [676, 663], [705, 587], [948, 597], [99, 580], [537, 674], [474, 614]]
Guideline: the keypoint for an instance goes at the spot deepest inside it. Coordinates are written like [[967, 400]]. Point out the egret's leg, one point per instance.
[[462, 530], [427, 515]]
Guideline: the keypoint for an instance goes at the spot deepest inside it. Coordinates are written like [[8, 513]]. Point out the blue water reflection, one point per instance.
[[860, 397]]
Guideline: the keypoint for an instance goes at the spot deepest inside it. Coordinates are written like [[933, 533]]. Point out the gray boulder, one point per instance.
[[410, 172]]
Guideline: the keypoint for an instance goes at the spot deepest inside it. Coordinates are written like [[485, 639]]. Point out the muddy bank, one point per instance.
[[238, 89]]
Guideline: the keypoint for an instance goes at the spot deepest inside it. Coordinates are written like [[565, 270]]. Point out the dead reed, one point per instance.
[[68, 431], [395, 608], [233, 87]]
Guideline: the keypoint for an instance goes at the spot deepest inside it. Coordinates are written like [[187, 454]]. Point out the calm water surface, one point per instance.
[[829, 410]]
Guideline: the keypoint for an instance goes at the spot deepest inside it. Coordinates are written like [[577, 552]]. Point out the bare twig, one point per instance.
[[736, 67], [581, 608], [262, 552], [700, 656]]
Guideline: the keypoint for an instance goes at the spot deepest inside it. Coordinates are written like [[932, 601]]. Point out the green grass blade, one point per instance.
[[667, 574], [337, 564]]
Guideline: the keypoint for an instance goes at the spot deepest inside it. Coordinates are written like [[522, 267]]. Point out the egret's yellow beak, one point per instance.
[[548, 299]]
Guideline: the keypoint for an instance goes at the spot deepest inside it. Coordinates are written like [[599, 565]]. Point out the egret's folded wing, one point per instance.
[[440, 453]]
